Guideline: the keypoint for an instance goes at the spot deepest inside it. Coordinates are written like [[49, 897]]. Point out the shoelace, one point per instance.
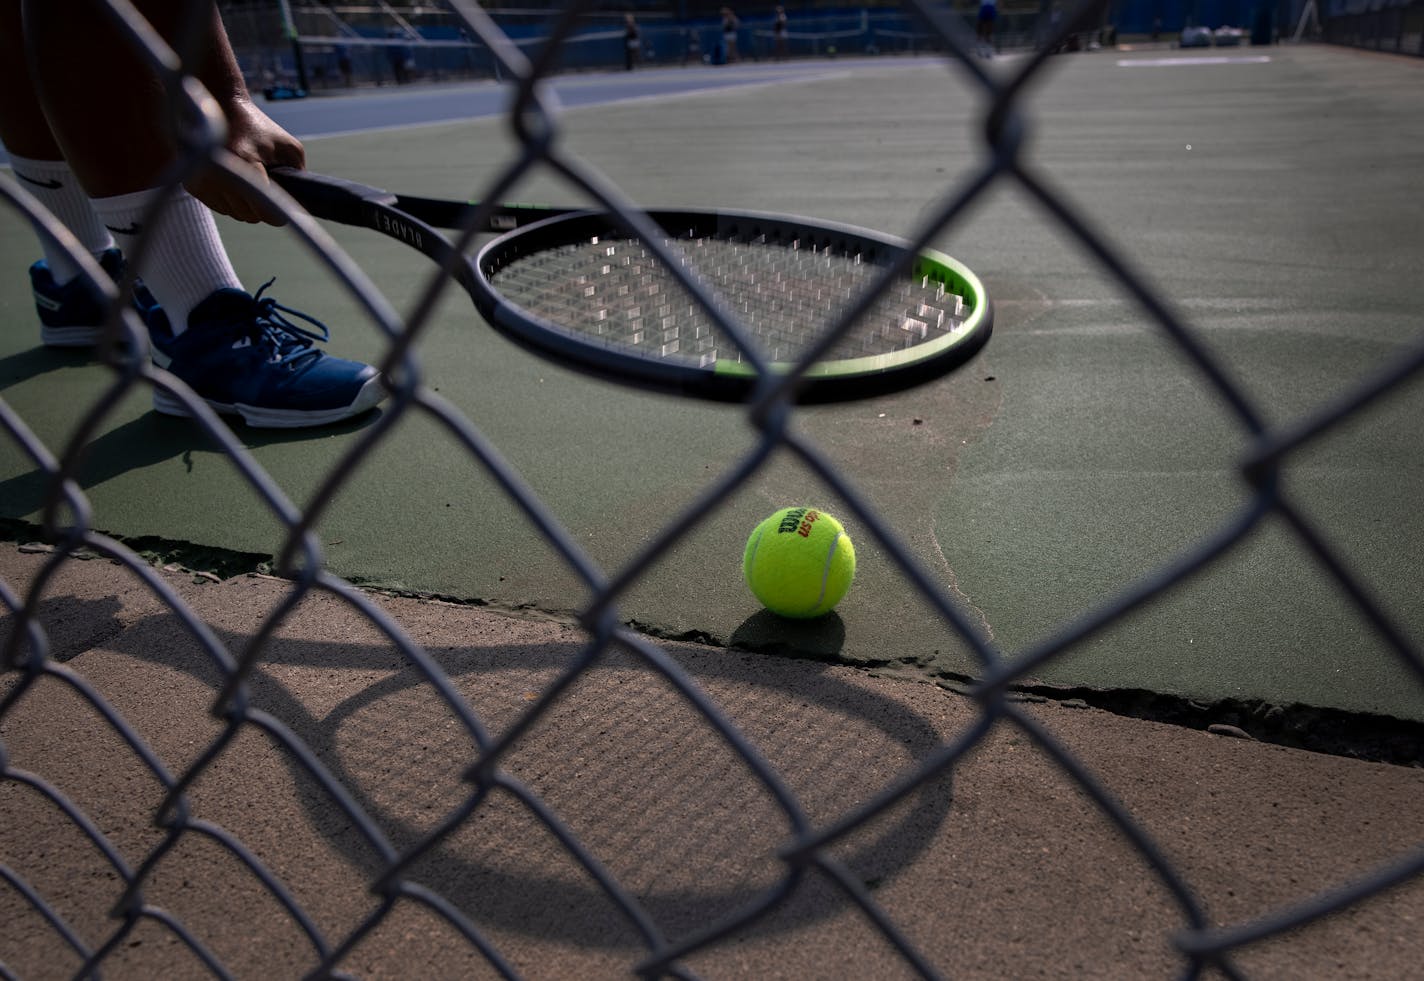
[[289, 341]]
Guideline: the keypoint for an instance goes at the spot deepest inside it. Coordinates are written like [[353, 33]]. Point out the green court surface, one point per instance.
[[1273, 203]]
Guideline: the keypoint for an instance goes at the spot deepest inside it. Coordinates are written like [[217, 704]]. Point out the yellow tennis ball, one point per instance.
[[799, 562]]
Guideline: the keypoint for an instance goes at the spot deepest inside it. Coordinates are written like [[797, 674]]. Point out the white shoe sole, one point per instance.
[[372, 394], [70, 336]]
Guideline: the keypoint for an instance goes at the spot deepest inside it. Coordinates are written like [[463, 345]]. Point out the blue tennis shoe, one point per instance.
[[72, 315], [243, 355]]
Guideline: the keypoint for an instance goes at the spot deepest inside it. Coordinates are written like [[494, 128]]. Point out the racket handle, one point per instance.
[[329, 197]]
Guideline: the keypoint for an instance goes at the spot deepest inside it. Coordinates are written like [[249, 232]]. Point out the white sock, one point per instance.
[[54, 185], [184, 261]]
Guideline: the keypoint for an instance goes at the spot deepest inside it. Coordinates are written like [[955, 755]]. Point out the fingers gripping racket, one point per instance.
[[573, 287]]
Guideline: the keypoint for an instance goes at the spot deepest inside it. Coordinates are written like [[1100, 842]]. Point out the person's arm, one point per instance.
[[252, 135], [107, 109]]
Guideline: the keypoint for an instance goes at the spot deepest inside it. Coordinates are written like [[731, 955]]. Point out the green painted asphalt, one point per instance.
[[1272, 204]]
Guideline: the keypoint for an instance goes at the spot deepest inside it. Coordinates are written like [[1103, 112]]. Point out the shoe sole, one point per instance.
[[71, 336], [372, 394]]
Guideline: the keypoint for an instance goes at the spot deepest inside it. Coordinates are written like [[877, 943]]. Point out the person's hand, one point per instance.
[[259, 142]]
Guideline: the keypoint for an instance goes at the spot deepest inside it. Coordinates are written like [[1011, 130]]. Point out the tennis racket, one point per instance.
[[572, 286]]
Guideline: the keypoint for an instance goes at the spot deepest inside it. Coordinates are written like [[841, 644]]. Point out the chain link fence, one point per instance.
[[809, 852], [1396, 26], [327, 48]]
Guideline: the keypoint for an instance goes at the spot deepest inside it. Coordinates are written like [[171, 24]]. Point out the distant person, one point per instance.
[[399, 56], [1055, 21], [343, 64], [632, 44], [778, 33], [89, 137], [988, 14], [730, 26]]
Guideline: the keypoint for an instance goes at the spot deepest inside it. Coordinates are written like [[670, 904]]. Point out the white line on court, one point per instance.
[[1197, 60]]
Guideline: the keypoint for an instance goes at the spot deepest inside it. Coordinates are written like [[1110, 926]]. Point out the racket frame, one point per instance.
[[526, 229]]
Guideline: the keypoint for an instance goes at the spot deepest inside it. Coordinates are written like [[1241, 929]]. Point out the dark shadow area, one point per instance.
[[38, 360], [71, 627], [567, 907], [1336, 732], [151, 439], [819, 639]]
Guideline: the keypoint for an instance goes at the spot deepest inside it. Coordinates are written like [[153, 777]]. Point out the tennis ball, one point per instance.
[[799, 562]]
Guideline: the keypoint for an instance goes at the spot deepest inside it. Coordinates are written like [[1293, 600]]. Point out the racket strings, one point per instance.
[[786, 294]]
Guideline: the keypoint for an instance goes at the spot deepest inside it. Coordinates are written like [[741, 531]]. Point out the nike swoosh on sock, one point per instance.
[[50, 185], [133, 229]]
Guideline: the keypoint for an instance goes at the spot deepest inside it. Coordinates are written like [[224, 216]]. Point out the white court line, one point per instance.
[[1198, 60]]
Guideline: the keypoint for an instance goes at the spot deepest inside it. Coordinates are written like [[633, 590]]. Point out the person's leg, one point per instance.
[[235, 350], [186, 259], [71, 313], [35, 157], [23, 128]]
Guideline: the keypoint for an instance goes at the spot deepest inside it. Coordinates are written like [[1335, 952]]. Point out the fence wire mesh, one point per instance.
[[809, 850], [383, 46]]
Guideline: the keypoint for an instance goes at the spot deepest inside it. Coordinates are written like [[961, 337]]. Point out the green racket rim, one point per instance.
[[729, 379], [936, 266]]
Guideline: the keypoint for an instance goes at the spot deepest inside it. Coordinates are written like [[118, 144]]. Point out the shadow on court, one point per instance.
[[505, 867], [1021, 861], [150, 439]]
